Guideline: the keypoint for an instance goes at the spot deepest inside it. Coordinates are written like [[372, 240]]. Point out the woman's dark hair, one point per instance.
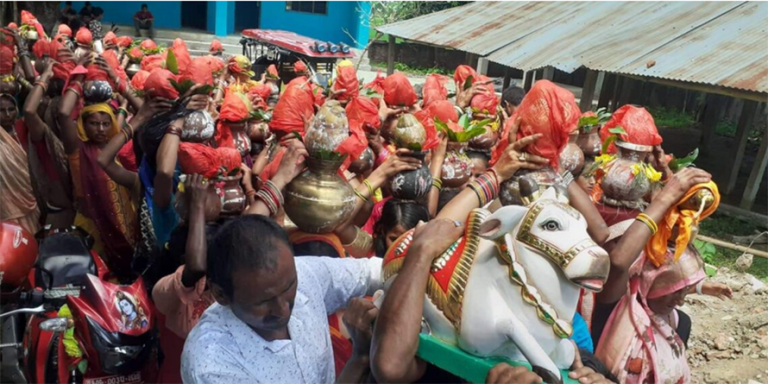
[[315, 248], [513, 95], [446, 195], [396, 212], [247, 242], [479, 155]]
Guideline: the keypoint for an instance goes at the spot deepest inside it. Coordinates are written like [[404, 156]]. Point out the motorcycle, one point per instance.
[[81, 328]]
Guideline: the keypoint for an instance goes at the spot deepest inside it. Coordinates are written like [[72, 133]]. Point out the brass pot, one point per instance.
[[233, 198], [589, 143], [457, 168], [620, 187], [212, 204], [198, 127], [409, 132], [412, 185], [509, 191], [364, 163], [132, 69], [572, 158], [694, 203], [485, 141], [319, 200]]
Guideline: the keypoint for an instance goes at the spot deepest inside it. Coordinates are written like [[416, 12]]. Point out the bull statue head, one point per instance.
[[550, 235]]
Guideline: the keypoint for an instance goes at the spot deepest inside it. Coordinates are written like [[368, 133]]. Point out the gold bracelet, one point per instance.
[[647, 220], [360, 195], [370, 187]]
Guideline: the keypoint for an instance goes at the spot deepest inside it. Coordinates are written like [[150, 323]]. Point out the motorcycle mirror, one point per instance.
[[58, 324], [39, 309]]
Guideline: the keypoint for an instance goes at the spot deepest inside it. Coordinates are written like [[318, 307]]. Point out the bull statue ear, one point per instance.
[[550, 193], [501, 222]]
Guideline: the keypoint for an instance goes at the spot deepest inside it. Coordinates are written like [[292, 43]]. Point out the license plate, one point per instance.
[[133, 378]]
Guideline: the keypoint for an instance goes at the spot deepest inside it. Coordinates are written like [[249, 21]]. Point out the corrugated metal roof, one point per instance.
[[727, 42]]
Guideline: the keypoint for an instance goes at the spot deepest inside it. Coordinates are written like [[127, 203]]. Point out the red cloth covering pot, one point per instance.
[[42, 48], [462, 73], [263, 91], [147, 45], [443, 110], [6, 60], [485, 102], [316, 91], [272, 72], [124, 41], [427, 118], [398, 91], [353, 146], [216, 64], [110, 38], [235, 108], [199, 159], [547, 109], [434, 89], [158, 84], [230, 158], [13, 26], [346, 79], [637, 123], [84, 37], [215, 47], [152, 62], [300, 68], [181, 52], [110, 57], [295, 105], [138, 80], [376, 85], [362, 112], [136, 54], [239, 65], [29, 19], [198, 70], [64, 30]]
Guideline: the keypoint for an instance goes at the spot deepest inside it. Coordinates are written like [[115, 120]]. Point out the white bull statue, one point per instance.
[[510, 286]]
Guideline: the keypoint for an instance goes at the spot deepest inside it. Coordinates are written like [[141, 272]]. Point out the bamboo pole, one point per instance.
[[735, 247]]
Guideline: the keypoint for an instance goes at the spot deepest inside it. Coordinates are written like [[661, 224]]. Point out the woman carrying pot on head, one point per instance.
[[104, 208], [653, 268]]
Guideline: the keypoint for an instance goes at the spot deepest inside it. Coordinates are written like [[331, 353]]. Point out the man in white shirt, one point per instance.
[[270, 322]]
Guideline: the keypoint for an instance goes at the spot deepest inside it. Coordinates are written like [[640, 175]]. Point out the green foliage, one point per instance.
[[405, 68], [187, 84], [415, 147], [470, 129], [615, 132], [588, 123], [387, 12], [323, 154], [669, 118], [724, 227], [678, 164], [170, 62], [726, 128], [370, 93], [468, 83], [707, 250]]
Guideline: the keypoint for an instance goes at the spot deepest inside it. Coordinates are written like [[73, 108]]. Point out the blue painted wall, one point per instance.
[[167, 13], [341, 15]]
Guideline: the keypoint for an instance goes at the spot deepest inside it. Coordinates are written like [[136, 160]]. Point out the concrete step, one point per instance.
[[187, 35]]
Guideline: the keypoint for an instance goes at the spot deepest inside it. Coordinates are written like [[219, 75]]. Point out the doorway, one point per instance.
[[247, 15], [194, 14]]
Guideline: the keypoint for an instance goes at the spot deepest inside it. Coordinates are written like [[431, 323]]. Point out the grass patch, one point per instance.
[[723, 227], [405, 68], [670, 118], [384, 37]]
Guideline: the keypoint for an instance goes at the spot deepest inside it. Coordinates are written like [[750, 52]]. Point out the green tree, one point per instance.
[[387, 12]]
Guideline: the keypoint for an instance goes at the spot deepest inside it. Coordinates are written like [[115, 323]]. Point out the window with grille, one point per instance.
[[319, 7]]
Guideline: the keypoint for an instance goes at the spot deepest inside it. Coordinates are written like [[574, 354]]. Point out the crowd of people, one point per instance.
[[183, 168]]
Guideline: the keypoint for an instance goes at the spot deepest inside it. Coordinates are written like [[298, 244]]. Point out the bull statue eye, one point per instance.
[[551, 225]]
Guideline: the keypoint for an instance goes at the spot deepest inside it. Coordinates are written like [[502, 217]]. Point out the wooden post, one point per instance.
[[620, 80], [391, 56], [507, 79], [528, 80], [709, 122], [756, 176], [606, 92], [482, 66], [626, 91], [588, 91], [742, 133]]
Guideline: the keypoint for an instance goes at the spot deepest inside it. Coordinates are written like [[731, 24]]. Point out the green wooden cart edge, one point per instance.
[[459, 363]]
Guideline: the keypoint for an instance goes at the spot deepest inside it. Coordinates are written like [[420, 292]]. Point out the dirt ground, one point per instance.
[[729, 339]]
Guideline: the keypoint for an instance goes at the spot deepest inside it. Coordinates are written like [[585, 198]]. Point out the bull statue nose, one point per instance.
[[589, 269]]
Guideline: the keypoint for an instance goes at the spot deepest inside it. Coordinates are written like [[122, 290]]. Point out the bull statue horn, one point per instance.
[[529, 190], [562, 193]]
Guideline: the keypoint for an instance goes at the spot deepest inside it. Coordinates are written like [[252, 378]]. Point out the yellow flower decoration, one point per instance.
[[637, 168], [180, 188], [71, 346], [652, 174], [605, 159]]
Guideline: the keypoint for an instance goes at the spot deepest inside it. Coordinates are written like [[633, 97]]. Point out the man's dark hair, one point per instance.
[[247, 242], [513, 95], [479, 155], [68, 3], [144, 6], [87, 3], [97, 12]]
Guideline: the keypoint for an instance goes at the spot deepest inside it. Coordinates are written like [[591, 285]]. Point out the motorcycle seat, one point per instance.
[[63, 258]]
